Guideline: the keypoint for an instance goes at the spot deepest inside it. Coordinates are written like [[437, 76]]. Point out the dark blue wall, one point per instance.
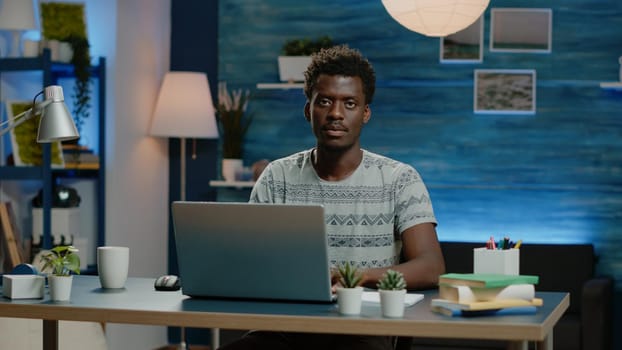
[[549, 177]]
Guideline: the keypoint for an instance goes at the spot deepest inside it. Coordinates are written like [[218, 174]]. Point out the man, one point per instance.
[[375, 207]]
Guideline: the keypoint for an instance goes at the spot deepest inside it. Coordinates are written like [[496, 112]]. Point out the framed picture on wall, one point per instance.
[[504, 91], [26, 150], [521, 30], [465, 46]]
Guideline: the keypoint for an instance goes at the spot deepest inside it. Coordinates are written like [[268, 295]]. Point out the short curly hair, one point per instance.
[[340, 60]]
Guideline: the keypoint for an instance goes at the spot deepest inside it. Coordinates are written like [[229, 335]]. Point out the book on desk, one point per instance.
[[486, 294]]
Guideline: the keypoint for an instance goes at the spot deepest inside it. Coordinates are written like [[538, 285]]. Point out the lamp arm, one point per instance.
[[19, 119], [24, 116]]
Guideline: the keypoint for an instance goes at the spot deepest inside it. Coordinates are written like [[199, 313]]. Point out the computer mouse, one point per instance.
[[167, 283]]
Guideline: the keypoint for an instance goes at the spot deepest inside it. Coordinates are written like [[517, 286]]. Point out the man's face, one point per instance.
[[337, 111]]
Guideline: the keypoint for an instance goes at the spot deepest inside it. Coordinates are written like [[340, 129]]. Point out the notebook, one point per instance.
[[252, 251]]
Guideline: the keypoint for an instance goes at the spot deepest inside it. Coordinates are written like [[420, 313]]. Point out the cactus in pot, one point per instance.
[[392, 280], [392, 288], [349, 294]]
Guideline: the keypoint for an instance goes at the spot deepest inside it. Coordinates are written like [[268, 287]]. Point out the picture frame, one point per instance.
[[62, 20], [521, 30], [465, 46], [26, 150], [504, 91]]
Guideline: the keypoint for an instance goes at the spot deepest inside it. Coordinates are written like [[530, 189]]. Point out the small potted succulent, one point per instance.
[[63, 262], [392, 289], [349, 293], [296, 56]]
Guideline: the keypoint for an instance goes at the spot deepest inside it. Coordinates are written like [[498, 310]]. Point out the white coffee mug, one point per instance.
[[112, 266]]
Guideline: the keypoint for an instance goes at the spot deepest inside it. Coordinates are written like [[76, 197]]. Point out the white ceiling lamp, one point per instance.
[[435, 17]]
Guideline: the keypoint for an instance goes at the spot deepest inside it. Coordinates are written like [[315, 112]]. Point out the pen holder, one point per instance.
[[497, 261]]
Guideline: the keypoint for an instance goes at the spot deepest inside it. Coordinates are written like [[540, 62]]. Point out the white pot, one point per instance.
[[349, 300], [60, 287], [230, 167], [392, 302], [292, 68]]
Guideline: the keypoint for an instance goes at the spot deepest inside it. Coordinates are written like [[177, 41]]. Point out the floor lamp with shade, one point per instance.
[[185, 110]]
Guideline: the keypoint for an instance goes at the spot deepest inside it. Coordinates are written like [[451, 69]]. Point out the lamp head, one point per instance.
[[56, 123]]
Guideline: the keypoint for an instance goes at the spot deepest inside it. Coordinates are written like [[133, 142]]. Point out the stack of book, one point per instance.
[[464, 294], [79, 157]]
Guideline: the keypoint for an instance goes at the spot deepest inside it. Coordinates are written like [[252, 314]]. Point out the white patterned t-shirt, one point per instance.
[[365, 213]]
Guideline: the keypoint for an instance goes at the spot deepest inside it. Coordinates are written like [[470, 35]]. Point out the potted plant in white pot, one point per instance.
[[234, 122], [392, 289], [349, 293], [63, 261], [296, 56]]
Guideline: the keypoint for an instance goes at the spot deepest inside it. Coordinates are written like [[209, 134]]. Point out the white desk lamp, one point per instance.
[[56, 123], [17, 16]]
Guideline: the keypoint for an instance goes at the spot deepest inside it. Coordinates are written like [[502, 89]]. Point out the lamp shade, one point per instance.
[[184, 107], [56, 123], [435, 17], [17, 15]]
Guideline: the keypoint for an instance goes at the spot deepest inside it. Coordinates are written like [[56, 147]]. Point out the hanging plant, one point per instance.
[[66, 22], [81, 61]]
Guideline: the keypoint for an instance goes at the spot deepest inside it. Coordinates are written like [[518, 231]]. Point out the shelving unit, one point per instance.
[[52, 72], [615, 85], [284, 86]]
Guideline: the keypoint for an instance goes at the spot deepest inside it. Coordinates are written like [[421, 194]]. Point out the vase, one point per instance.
[[60, 287], [230, 167], [349, 300], [392, 302], [292, 68]]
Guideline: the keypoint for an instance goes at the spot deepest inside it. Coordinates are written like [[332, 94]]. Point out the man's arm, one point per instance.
[[423, 259]]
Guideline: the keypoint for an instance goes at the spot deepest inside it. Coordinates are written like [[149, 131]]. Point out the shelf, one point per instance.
[[234, 184], [21, 172], [614, 85], [21, 64], [283, 86]]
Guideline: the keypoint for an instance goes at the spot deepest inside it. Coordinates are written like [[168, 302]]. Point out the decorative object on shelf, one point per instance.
[[234, 122], [17, 16], [296, 58], [504, 91], [63, 261], [26, 151], [392, 289], [184, 109], [435, 17], [66, 23], [350, 293]]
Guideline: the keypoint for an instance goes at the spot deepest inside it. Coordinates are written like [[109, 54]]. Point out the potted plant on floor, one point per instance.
[[296, 57], [349, 293], [392, 289], [63, 261], [234, 122]]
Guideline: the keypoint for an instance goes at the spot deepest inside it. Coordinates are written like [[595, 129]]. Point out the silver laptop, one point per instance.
[[252, 251]]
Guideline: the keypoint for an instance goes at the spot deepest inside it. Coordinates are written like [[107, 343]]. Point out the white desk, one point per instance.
[[139, 303]]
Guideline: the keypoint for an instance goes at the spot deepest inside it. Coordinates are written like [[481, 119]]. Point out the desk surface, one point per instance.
[[139, 303]]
